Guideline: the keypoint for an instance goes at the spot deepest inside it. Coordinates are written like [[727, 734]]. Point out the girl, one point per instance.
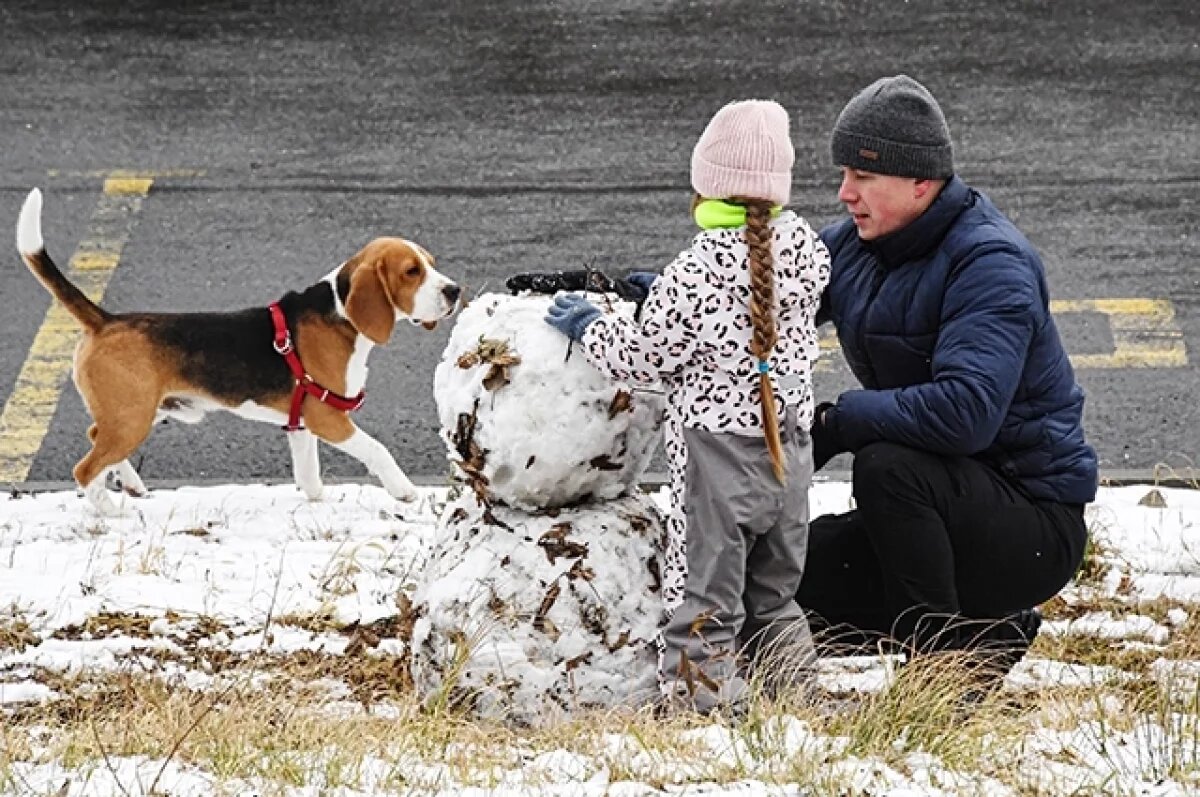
[[729, 330]]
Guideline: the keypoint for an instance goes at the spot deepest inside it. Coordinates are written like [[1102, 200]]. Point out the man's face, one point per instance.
[[881, 203]]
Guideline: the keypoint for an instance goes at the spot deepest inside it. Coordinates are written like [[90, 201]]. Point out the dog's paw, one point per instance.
[[405, 491], [313, 492], [123, 478], [102, 501]]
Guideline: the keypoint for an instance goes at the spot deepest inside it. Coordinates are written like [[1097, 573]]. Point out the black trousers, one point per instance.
[[933, 535]]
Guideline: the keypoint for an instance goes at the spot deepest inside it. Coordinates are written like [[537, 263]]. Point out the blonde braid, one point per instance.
[[759, 236]]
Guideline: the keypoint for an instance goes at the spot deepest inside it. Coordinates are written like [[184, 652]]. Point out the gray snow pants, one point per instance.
[[747, 538]]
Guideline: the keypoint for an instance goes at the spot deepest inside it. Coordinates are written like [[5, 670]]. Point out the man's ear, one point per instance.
[[923, 187], [368, 305]]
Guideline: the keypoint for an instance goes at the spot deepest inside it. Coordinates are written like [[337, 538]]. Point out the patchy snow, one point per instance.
[[251, 554], [24, 692], [1162, 543], [1105, 626]]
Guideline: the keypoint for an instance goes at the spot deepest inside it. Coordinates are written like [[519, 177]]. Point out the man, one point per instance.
[[970, 469]]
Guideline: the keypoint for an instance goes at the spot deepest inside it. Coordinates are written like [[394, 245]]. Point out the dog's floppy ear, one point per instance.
[[369, 306]]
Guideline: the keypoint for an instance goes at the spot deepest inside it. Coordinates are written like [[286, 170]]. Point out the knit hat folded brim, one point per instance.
[[716, 181], [881, 156]]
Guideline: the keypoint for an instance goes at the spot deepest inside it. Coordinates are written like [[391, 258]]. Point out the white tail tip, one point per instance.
[[29, 224]]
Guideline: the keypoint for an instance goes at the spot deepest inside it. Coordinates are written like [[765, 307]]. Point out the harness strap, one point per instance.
[[304, 384]]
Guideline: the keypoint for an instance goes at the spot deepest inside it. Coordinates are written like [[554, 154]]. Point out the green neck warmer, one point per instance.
[[717, 214]]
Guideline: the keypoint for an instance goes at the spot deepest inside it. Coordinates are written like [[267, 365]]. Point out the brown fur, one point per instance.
[[326, 363], [384, 276], [108, 361]]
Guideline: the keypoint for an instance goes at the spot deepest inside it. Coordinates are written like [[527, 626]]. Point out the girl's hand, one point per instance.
[[570, 314]]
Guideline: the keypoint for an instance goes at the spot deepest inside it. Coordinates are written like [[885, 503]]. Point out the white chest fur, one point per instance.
[[356, 368]]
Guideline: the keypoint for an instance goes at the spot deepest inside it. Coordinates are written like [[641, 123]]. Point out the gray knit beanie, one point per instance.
[[894, 126]]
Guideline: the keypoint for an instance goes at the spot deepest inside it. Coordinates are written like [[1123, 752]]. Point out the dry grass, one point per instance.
[[15, 631], [274, 720]]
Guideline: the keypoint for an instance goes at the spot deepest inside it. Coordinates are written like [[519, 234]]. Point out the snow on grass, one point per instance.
[[243, 640]]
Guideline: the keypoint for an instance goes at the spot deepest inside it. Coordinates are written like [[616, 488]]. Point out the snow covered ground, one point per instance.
[[251, 569]]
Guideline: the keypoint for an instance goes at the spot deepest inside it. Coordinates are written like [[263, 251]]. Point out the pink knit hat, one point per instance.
[[745, 151]]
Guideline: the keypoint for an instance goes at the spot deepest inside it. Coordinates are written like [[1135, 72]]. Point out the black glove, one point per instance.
[[551, 282], [826, 441], [632, 288]]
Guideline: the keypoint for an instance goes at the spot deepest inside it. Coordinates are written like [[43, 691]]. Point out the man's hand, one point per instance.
[[570, 314], [826, 441]]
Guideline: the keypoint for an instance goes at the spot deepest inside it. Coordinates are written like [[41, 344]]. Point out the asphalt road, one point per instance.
[[510, 136]]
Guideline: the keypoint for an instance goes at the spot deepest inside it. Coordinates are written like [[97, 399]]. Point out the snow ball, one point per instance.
[[526, 616], [529, 426]]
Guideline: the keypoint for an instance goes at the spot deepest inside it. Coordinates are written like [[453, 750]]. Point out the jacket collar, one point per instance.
[[923, 235]]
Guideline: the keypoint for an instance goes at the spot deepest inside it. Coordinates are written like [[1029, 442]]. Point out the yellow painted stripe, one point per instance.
[[127, 185], [30, 408], [100, 261], [1145, 334]]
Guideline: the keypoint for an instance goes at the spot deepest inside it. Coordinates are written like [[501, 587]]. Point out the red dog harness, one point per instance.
[[304, 382]]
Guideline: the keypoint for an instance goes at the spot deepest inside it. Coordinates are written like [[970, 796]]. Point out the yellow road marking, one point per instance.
[[122, 184], [99, 261], [30, 408], [1144, 332]]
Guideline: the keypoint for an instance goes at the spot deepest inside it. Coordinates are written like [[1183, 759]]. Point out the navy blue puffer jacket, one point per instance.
[[946, 323]]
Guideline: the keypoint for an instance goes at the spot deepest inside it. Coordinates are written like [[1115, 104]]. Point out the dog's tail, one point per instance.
[[33, 252]]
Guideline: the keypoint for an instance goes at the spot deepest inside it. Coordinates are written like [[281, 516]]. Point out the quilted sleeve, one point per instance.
[[990, 313]]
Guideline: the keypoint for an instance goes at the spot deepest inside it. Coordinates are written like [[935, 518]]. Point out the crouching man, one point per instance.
[[970, 468]]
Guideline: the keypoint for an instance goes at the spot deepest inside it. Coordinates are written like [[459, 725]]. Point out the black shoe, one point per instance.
[[995, 653], [952, 632], [1010, 640], [988, 649]]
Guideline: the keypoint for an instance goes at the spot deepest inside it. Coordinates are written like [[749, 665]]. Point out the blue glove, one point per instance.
[[570, 314], [642, 280]]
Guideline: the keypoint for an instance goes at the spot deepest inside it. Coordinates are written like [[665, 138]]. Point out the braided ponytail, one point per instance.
[[759, 236]]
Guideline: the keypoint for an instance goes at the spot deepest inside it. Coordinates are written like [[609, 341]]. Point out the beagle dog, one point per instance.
[[295, 361]]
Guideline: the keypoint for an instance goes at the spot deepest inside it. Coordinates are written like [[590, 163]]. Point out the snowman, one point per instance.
[[541, 595]]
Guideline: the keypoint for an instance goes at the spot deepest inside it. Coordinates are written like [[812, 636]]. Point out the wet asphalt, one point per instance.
[[512, 136]]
